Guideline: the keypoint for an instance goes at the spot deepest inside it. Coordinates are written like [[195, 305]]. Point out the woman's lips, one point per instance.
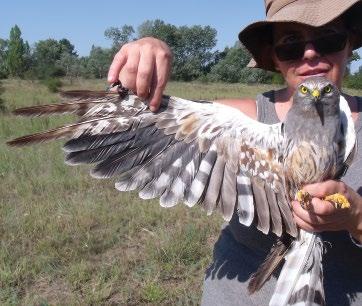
[[313, 72]]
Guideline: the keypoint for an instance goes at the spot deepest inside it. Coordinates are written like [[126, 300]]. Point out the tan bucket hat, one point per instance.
[[257, 37]]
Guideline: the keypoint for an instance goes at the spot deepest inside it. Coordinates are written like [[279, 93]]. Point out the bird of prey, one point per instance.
[[210, 154]]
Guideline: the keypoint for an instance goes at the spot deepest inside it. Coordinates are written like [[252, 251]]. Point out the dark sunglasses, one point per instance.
[[323, 45]]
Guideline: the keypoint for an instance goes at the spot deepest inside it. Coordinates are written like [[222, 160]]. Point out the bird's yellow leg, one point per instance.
[[304, 198], [338, 200]]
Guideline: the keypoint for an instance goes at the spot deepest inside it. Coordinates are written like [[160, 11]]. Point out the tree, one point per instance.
[[98, 62], [3, 51], [47, 57], [355, 57], [255, 75], [194, 52], [47, 51], [354, 80], [230, 68], [70, 64], [159, 29], [2, 102], [119, 36], [191, 46], [67, 47], [84, 68], [15, 55]]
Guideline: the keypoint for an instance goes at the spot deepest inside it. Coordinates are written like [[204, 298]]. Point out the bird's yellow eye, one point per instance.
[[328, 89], [303, 89]]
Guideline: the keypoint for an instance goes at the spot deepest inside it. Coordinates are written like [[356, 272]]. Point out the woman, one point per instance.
[[299, 39]]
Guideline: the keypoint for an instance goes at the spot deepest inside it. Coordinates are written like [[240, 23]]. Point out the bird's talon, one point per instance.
[[304, 198], [338, 200]]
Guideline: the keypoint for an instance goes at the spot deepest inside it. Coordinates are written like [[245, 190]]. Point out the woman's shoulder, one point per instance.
[[245, 105]]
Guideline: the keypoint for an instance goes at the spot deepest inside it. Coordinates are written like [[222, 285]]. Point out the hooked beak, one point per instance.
[[316, 94], [318, 104]]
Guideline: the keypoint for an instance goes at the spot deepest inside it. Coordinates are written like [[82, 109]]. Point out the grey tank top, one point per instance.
[[342, 256]]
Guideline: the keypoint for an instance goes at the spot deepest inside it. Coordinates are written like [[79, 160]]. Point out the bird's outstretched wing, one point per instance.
[[192, 152]]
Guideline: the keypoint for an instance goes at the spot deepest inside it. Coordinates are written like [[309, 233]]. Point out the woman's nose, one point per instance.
[[310, 52]]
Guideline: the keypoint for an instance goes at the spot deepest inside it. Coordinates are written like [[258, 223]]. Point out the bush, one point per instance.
[[230, 68], [255, 76], [53, 84], [2, 102], [277, 78], [353, 81]]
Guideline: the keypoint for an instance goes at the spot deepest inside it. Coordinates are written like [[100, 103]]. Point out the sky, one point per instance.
[[84, 22]]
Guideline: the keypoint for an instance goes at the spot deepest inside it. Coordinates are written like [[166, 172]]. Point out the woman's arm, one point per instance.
[[247, 106]]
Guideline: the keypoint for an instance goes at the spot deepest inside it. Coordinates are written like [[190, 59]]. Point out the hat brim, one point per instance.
[[257, 36]]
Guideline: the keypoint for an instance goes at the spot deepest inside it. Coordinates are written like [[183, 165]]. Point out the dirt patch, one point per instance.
[[51, 291]]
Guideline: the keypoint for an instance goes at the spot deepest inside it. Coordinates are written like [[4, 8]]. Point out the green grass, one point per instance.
[[66, 238]]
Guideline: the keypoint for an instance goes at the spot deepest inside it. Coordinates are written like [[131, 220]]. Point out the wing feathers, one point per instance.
[[182, 183], [85, 143], [91, 127], [96, 155], [167, 170], [212, 195], [196, 192], [126, 160], [275, 217], [66, 108], [245, 208], [151, 178], [290, 226], [191, 152], [261, 206], [79, 103], [228, 193]]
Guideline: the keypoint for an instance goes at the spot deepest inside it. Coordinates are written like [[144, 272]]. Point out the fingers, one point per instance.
[[145, 75], [309, 221], [322, 215], [118, 62], [318, 212], [321, 190], [317, 227], [317, 207], [144, 67], [160, 77], [128, 74]]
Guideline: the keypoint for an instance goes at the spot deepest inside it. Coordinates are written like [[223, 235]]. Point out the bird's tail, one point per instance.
[[272, 261], [301, 279]]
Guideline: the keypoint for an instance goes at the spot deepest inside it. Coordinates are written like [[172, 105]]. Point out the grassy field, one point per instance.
[[68, 239]]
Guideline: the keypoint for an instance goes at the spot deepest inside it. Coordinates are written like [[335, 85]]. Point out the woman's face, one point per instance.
[[311, 62]]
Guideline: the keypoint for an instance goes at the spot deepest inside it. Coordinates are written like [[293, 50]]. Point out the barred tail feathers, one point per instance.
[[301, 278]]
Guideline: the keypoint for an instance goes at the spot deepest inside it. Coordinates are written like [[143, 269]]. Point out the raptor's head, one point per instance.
[[317, 95]]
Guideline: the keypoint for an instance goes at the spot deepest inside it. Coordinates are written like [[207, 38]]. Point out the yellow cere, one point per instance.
[[316, 93]]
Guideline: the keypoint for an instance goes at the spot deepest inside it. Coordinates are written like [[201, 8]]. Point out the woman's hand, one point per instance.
[[143, 66], [323, 216]]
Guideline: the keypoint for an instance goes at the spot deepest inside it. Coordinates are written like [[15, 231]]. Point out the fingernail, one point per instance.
[[152, 108]]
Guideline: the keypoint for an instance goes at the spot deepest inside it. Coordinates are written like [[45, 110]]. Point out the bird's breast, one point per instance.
[[309, 162]]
